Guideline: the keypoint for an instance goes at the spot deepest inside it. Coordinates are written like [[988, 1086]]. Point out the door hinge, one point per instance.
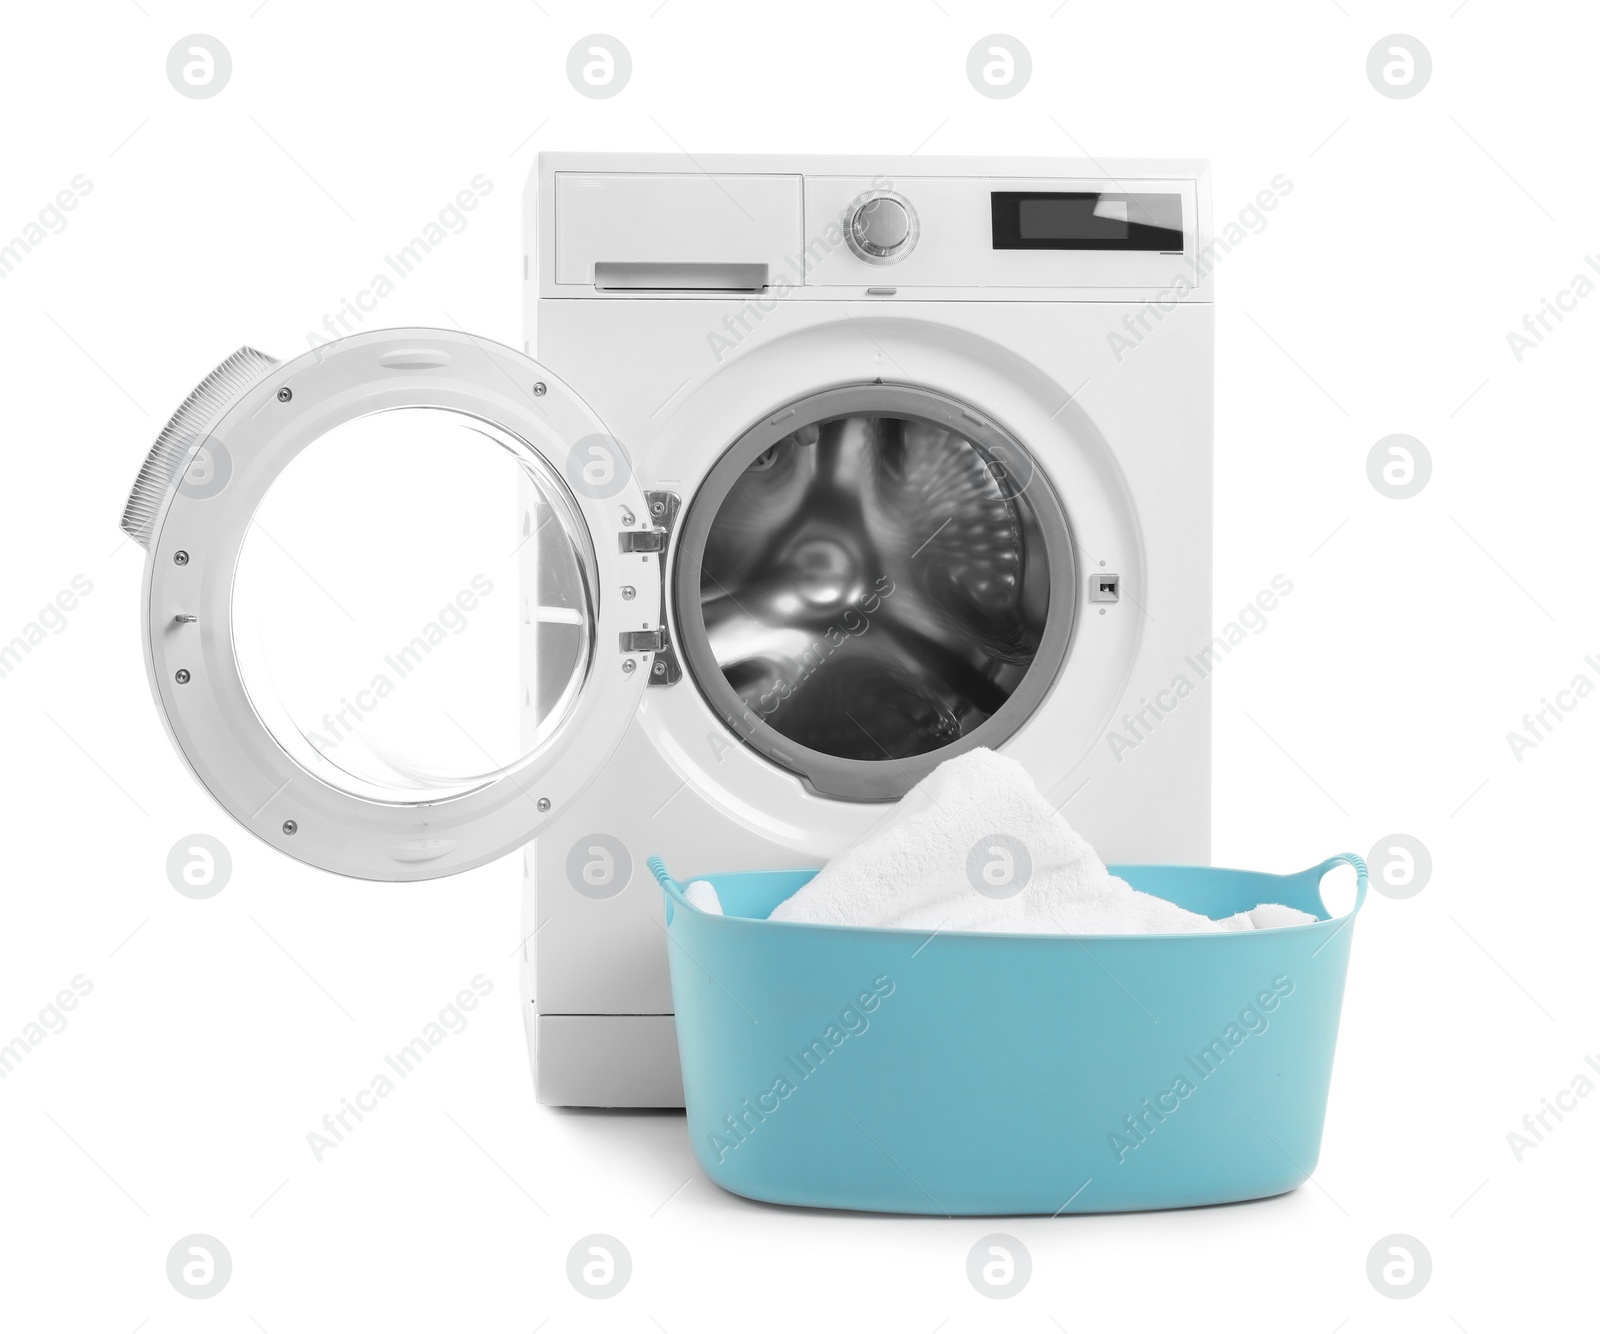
[[663, 506]]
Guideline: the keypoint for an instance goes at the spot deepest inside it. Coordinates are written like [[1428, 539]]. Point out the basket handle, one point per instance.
[[1316, 874], [671, 890]]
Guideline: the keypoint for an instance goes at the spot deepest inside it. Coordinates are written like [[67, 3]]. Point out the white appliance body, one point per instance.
[[688, 302]]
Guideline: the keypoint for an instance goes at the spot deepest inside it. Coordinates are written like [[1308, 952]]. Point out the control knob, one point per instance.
[[881, 227]]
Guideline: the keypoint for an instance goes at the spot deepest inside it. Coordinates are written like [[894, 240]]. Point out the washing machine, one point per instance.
[[812, 473]]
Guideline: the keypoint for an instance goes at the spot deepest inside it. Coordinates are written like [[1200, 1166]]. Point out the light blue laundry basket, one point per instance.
[[965, 1073]]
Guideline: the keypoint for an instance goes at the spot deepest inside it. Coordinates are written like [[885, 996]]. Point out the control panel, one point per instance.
[[1125, 232], [962, 231]]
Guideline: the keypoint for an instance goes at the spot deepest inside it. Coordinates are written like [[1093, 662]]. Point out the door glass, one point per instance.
[[413, 605]]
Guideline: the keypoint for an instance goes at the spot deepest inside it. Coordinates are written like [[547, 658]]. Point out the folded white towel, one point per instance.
[[976, 847], [703, 894]]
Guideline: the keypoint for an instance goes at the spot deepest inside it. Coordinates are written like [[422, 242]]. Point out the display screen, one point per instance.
[[1087, 221]]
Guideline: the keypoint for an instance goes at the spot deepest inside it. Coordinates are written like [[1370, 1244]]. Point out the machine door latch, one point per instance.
[[665, 670]]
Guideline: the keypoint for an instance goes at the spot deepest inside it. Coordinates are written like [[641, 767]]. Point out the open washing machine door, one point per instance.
[[401, 601]]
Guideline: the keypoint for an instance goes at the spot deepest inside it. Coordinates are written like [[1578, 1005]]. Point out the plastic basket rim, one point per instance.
[[674, 890]]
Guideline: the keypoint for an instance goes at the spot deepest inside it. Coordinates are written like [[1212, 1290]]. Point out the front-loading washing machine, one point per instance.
[[815, 472]]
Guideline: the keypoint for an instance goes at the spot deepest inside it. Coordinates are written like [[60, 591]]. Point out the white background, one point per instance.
[[1378, 700]]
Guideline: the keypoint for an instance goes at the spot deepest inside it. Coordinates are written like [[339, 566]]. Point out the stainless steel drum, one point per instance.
[[870, 581]]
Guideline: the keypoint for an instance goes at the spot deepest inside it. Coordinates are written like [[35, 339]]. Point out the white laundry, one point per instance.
[[703, 895], [976, 847]]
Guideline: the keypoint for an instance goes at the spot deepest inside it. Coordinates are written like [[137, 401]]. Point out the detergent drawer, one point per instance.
[[675, 232]]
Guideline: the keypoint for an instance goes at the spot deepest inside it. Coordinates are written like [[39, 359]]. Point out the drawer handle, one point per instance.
[[631, 276]]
